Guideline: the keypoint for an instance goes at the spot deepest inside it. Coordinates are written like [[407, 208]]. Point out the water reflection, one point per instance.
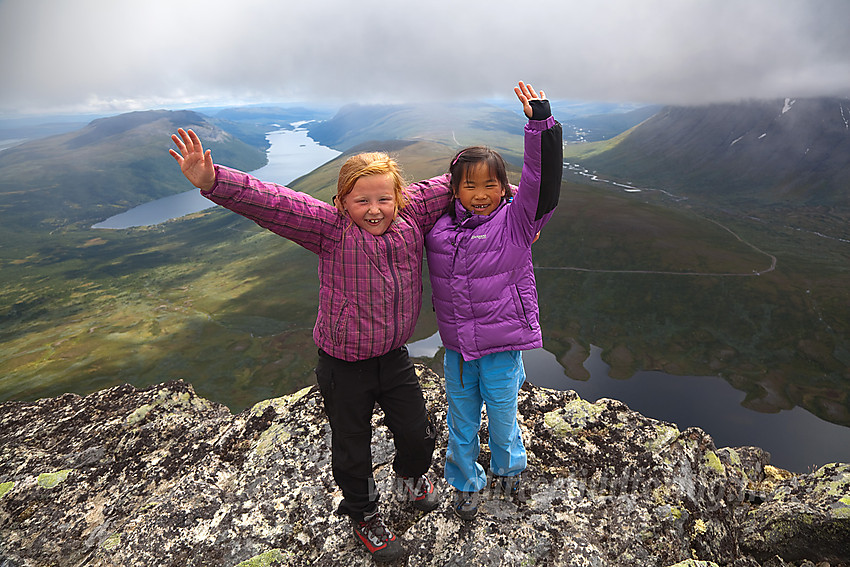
[[796, 439]]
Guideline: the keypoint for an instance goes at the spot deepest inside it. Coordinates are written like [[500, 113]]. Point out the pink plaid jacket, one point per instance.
[[370, 287]]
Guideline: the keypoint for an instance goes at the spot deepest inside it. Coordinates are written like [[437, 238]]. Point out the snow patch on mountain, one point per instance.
[[788, 104]]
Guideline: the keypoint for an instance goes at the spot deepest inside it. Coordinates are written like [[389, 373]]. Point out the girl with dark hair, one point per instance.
[[485, 297]]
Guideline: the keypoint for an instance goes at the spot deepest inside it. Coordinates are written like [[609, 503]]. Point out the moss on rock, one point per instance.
[[51, 480], [267, 559]]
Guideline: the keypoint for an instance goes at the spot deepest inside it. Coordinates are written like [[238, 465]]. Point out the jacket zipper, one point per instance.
[[522, 306], [393, 273]]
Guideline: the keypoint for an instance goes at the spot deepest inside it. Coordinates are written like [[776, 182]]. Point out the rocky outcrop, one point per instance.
[[162, 477]]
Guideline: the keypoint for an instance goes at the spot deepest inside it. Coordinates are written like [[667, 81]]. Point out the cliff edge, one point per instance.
[[163, 477]]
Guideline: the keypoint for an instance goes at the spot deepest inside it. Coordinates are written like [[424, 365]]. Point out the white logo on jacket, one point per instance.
[[479, 236]]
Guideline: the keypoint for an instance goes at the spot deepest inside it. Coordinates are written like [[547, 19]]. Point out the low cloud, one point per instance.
[[106, 55]]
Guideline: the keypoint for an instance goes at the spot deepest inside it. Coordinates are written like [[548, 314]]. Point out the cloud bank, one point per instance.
[[106, 55]]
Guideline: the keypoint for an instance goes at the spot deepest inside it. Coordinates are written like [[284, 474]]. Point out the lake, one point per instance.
[[292, 153], [796, 439]]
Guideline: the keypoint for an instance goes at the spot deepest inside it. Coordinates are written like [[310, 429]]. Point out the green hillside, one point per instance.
[[229, 307], [210, 298], [107, 167]]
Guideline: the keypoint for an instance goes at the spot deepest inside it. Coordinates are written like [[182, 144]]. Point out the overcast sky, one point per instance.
[[116, 55]]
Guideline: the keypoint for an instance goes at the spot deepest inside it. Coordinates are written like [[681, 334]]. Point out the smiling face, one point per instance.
[[371, 203], [479, 191]]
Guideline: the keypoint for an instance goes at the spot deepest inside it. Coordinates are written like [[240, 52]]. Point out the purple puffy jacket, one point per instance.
[[482, 278]]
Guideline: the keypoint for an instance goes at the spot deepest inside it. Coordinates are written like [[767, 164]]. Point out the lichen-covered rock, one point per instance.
[[805, 517], [162, 477]]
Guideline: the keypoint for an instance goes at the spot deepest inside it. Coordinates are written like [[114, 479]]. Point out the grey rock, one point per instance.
[[805, 518], [163, 477]]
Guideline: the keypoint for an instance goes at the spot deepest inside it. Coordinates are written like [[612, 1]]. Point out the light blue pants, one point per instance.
[[494, 379]]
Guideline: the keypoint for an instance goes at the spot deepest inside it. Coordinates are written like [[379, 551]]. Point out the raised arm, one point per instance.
[[297, 216], [540, 182], [195, 164]]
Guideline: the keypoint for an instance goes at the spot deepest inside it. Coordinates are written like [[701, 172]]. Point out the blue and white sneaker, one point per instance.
[[509, 486], [466, 504]]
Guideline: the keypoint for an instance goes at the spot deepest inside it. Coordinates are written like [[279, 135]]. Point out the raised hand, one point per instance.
[[195, 164], [525, 93]]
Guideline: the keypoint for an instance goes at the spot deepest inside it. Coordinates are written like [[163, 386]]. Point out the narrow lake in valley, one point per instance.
[[292, 154]]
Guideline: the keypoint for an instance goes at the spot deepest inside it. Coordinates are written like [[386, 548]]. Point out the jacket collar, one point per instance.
[[466, 219]]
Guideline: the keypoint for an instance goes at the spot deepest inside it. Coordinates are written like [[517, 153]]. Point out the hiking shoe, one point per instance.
[[418, 491], [509, 486], [466, 504], [377, 537]]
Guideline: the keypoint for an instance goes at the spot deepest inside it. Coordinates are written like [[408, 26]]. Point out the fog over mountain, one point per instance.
[[793, 152], [92, 55]]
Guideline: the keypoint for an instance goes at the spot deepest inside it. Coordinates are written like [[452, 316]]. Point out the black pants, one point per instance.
[[350, 390]]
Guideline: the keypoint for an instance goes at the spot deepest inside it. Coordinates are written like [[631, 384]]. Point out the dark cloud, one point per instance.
[[102, 54]]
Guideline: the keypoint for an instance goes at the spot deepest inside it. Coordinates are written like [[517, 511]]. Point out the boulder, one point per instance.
[[806, 517]]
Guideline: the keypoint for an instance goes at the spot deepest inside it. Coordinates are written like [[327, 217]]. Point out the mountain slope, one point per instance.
[[603, 126], [791, 152], [109, 166], [455, 125]]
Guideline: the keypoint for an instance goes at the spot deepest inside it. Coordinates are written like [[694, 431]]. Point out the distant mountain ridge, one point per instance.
[[115, 163], [454, 125], [99, 130], [793, 152], [461, 124], [106, 167]]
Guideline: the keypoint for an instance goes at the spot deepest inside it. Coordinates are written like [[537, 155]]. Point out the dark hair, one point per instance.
[[470, 157]]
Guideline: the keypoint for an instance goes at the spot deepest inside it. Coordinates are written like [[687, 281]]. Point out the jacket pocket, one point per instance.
[[521, 311], [340, 323]]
